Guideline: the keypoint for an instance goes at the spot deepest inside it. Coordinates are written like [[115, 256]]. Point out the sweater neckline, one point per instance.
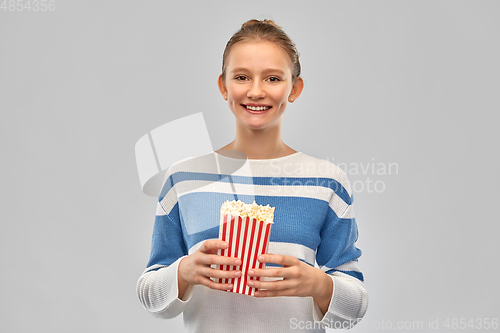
[[262, 159]]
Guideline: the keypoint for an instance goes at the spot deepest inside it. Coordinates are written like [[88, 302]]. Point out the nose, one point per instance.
[[255, 91]]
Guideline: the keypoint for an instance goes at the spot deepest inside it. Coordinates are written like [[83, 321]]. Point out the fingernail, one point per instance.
[[250, 283], [230, 287], [250, 272], [261, 258], [237, 273], [237, 262]]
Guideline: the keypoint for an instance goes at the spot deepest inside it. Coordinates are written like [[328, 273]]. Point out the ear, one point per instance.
[[222, 86], [297, 88]]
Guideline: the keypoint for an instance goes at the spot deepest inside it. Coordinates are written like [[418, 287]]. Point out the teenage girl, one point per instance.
[[312, 279]]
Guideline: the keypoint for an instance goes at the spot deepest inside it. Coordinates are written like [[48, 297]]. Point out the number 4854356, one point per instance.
[[474, 323], [28, 5]]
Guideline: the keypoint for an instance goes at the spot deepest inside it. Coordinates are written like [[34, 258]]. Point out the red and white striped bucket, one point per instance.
[[247, 239]]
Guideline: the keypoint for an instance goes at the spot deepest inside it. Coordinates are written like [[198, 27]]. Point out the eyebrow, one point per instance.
[[242, 69]]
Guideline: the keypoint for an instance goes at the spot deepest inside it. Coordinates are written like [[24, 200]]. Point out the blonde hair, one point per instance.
[[255, 30]]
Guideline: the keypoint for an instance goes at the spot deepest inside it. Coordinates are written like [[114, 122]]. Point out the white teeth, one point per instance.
[[258, 108]]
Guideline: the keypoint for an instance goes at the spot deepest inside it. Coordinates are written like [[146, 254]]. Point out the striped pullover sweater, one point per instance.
[[313, 221]]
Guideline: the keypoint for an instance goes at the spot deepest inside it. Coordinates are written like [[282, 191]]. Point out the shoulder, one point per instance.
[[186, 169], [192, 168], [324, 168], [315, 167]]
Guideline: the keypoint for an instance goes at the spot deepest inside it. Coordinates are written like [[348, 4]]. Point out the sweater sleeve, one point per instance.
[[338, 256], [157, 287]]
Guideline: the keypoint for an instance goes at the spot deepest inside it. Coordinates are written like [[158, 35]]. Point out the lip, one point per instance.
[[255, 104], [255, 112]]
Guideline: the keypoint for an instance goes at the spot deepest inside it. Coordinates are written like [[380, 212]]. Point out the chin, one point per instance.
[[252, 125], [258, 126], [255, 126]]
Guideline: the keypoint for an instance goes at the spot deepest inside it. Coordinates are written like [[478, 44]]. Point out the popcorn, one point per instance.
[[254, 211], [246, 228]]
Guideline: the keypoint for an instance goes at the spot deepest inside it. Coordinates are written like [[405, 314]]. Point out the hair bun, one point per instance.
[[255, 21]]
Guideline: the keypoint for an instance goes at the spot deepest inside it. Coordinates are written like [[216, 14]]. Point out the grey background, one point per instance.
[[407, 82]]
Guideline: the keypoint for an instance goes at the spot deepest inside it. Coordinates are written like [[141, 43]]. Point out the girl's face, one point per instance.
[[258, 75]]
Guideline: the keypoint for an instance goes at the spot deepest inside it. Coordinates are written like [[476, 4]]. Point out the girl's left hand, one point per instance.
[[299, 278]]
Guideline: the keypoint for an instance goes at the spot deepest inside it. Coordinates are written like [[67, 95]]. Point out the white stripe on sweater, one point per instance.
[[336, 203]]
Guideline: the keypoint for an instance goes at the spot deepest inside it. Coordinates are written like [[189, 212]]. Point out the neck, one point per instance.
[[259, 144]]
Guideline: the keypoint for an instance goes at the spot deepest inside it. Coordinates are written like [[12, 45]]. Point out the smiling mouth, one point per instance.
[[256, 109]]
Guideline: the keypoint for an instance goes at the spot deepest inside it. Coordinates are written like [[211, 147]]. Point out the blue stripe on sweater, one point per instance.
[[171, 241], [167, 244], [338, 246], [273, 265], [292, 223], [266, 181]]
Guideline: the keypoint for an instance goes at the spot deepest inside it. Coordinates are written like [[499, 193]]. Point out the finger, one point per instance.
[[270, 272], [212, 259], [218, 273], [279, 259], [213, 244], [214, 285], [272, 285]]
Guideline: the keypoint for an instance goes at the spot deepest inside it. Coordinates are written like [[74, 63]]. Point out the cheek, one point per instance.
[[281, 95], [235, 91]]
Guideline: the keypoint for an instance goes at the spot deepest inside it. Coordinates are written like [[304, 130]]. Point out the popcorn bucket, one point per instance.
[[247, 238]]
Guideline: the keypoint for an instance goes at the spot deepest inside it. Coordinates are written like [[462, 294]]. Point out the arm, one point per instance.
[[340, 298], [158, 286], [337, 257], [165, 290]]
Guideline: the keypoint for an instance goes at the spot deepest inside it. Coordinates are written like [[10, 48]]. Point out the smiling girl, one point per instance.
[[312, 279]]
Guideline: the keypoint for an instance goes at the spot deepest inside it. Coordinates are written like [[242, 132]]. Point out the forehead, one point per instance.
[[257, 55]]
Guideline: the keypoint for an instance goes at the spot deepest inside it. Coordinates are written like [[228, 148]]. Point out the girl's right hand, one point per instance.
[[195, 268]]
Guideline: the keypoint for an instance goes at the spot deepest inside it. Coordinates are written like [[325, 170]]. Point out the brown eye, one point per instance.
[[240, 76], [274, 79]]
